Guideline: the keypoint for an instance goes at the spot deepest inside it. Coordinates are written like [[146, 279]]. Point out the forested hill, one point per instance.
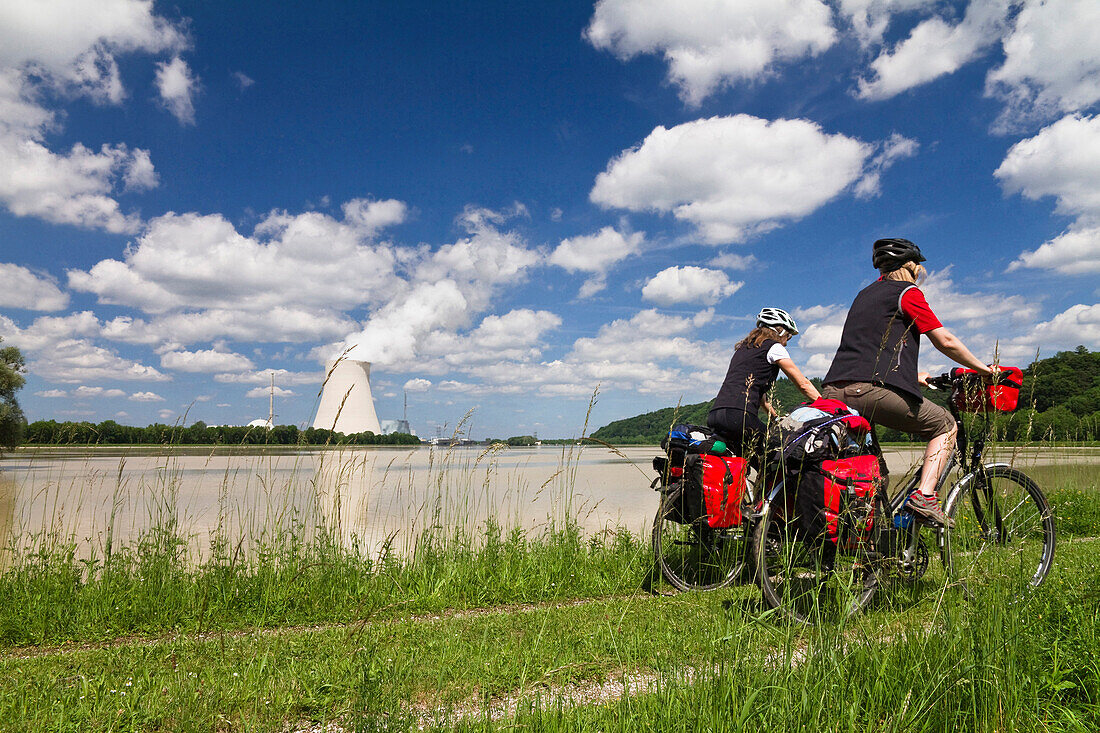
[[1060, 400]]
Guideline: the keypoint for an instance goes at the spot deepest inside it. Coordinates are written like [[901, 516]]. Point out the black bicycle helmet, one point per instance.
[[890, 254]]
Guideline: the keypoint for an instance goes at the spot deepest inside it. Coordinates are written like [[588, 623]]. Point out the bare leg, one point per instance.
[[936, 456]]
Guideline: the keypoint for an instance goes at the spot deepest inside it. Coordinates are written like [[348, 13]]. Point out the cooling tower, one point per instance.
[[348, 385]]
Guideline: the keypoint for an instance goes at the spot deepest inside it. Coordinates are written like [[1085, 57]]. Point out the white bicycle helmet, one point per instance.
[[776, 317]]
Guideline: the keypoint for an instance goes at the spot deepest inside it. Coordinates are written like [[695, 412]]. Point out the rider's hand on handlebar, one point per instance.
[[922, 379]]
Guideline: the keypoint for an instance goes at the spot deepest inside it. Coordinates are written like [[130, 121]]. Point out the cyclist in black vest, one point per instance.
[[875, 367], [757, 360]]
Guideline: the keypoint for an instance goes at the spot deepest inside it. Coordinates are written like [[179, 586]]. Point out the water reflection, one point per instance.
[[101, 500]]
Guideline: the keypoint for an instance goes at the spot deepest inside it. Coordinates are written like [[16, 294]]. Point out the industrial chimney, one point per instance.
[[348, 385]]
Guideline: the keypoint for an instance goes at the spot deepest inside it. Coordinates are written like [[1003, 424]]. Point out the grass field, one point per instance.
[[486, 628]]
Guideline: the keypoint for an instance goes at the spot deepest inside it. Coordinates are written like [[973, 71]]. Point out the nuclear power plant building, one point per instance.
[[347, 405]]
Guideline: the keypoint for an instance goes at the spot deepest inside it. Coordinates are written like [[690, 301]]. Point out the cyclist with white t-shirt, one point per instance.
[[756, 363]]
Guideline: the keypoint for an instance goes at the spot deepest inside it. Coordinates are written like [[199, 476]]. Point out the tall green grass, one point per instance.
[[996, 664], [293, 561]]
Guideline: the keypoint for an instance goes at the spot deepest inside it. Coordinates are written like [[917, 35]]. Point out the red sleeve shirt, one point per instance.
[[916, 309]]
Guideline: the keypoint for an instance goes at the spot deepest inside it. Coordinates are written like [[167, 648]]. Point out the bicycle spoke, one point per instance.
[[810, 582], [986, 547], [689, 554]]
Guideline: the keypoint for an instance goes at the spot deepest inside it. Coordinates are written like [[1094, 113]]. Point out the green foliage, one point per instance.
[[1069, 378], [652, 426], [521, 440], [108, 432], [12, 421]]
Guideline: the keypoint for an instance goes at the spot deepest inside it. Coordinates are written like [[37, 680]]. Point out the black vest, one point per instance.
[[748, 378], [879, 343]]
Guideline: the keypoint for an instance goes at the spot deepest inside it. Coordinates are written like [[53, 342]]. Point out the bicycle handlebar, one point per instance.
[[957, 377]]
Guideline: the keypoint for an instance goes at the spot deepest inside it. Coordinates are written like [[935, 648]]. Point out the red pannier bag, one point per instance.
[[977, 396], [830, 488], [723, 481]]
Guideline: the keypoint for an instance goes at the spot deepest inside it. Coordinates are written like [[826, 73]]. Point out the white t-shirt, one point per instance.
[[777, 352]]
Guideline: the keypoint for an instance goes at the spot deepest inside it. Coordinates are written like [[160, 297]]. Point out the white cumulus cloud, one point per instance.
[[1051, 65], [290, 280], [177, 86], [596, 253], [732, 177], [73, 188], [870, 18], [689, 285], [445, 290], [936, 47], [263, 376], [60, 349], [1062, 161], [711, 43], [85, 392], [21, 288], [208, 360], [54, 50], [266, 392]]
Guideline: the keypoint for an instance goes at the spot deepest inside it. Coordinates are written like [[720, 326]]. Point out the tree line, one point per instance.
[[109, 432]]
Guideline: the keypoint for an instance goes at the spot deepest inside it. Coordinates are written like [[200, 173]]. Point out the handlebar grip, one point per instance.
[[944, 381]]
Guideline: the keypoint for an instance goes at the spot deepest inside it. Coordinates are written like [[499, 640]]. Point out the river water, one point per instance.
[[370, 496]]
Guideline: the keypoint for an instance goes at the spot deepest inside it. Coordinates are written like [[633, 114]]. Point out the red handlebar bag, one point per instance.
[[974, 395], [723, 480]]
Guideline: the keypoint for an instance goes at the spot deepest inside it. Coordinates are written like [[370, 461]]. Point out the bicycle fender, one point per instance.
[[756, 515], [964, 482]]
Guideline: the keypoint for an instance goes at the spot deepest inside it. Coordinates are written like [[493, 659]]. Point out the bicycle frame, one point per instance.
[[965, 454], [895, 545]]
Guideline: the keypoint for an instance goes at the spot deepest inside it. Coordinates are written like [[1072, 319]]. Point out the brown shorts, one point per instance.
[[892, 409]]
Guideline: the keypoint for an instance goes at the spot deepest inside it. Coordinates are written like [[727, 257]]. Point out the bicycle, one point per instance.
[[1004, 530], [690, 554]]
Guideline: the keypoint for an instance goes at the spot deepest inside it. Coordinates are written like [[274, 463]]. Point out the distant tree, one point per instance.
[[1057, 423], [1062, 377], [111, 433], [12, 422], [519, 440]]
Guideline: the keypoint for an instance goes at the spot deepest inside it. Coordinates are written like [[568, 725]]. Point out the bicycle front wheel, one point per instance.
[[691, 555], [1004, 530], [809, 581]]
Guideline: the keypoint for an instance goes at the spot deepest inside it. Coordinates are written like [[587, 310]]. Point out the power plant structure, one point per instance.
[[347, 405]]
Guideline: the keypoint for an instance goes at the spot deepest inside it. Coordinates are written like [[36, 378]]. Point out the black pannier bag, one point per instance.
[[689, 504], [684, 440], [683, 445]]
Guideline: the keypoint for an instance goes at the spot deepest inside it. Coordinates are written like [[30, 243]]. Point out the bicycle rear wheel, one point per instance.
[[1004, 530], [694, 556], [806, 581]]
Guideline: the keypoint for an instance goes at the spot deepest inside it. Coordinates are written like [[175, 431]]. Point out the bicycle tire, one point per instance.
[[795, 578], [1004, 530], [694, 556]]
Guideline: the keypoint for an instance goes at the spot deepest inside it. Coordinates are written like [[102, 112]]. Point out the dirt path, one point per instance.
[[35, 652]]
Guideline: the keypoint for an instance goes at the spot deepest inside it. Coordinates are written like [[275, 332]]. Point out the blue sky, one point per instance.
[[504, 206]]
